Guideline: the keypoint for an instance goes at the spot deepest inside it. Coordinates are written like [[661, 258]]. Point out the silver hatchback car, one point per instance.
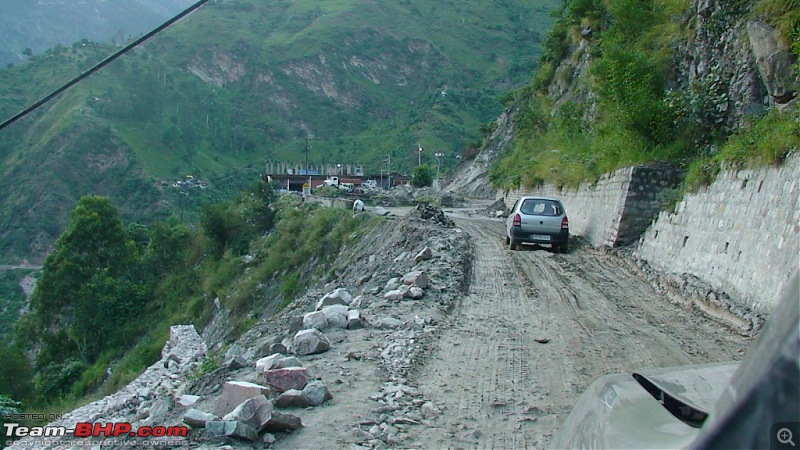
[[538, 220]]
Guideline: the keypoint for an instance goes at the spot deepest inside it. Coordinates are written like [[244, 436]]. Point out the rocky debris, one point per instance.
[[276, 361], [309, 342], [316, 319], [415, 293], [316, 393], [715, 303], [231, 428], [423, 255], [397, 294], [234, 393], [774, 61], [181, 354], [198, 419], [188, 400], [283, 422], [184, 345], [388, 323], [282, 380], [416, 278], [430, 212], [339, 296], [381, 211], [161, 407], [392, 284], [336, 315], [398, 341], [255, 412], [235, 362], [354, 320], [497, 209], [293, 398]]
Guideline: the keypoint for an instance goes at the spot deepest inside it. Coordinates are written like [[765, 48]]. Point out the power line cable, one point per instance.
[[101, 64]]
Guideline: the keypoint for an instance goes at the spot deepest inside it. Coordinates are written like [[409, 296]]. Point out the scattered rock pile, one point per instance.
[[430, 212], [373, 323]]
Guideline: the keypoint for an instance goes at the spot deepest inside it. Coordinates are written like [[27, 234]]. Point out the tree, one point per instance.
[[422, 176], [94, 241], [28, 52], [15, 374], [232, 225], [7, 407], [87, 277]]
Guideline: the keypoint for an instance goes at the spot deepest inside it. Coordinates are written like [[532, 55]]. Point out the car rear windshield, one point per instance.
[[540, 207]]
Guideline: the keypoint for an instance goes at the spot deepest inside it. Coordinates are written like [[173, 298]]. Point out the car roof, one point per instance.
[[532, 197]]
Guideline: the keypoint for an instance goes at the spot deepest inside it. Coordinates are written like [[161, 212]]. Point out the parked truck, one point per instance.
[[347, 183]]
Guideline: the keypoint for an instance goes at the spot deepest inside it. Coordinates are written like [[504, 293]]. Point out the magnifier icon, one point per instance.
[[785, 436]]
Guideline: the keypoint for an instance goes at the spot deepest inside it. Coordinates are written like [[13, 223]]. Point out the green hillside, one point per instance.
[[237, 84], [613, 90]]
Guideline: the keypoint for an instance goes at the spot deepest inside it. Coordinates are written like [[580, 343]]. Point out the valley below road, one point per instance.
[[511, 358]]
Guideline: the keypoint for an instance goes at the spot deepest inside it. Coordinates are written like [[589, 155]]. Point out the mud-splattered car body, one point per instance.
[[732, 405]]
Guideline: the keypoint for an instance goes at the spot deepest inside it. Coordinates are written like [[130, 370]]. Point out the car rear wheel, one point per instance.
[[512, 244], [564, 248]]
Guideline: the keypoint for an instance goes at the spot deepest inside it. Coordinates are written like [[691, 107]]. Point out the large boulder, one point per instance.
[[316, 319], [231, 428], [338, 296], [774, 61], [316, 392], [417, 278], [277, 361], [198, 419], [254, 412], [293, 398], [234, 393], [397, 294], [336, 315], [354, 319], [283, 422], [282, 380], [309, 342]]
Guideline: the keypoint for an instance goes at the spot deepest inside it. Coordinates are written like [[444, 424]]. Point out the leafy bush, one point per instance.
[[422, 176], [8, 406]]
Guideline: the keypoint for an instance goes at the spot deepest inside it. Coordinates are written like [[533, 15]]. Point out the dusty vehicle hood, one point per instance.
[[617, 412]]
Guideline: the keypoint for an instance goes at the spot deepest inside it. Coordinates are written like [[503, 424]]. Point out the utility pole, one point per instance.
[[419, 161], [438, 162], [387, 165], [307, 173]]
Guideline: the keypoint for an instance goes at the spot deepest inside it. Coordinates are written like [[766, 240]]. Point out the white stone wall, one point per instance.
[[594, 209], [740, 235]]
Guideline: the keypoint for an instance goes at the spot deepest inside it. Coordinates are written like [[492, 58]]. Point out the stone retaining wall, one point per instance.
[[738, 238], [617, 208], [739, 235]]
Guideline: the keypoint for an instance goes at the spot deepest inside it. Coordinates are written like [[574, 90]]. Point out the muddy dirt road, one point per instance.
[[536, 328]]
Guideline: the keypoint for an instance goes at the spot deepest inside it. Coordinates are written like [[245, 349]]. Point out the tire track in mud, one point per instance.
[[536, 328]]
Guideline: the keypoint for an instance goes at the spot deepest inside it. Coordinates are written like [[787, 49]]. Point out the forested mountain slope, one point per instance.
[[30, 27], [238, 83]]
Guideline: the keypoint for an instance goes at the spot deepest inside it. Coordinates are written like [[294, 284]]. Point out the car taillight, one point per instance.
[[517, 220], [564, 223]]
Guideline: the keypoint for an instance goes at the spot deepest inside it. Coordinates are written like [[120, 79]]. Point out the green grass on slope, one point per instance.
[[631, 116]]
